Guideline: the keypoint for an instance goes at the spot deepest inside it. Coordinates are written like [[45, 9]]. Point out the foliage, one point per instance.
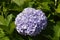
[[10, 8]]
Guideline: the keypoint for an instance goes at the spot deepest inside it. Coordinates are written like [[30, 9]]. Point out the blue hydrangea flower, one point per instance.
[[30, 22]]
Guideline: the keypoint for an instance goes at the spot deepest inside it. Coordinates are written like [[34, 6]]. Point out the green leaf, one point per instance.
[[31, 4], [12, 27], [57, 31], [17, 36], [19, 2], [45, 0], [4, 23], [18, 5], [9, 19], [14, 7], [45, 6], [58, 9], [30, 38], [2, 20], [5, 38], [2, 34]]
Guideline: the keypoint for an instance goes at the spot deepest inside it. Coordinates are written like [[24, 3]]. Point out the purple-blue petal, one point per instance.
[[30, 22]]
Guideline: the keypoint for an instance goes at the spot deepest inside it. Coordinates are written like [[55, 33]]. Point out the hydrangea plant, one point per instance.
[[30, 22]]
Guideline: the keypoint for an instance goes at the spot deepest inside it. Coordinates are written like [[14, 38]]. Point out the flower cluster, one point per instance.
[[30, 22]]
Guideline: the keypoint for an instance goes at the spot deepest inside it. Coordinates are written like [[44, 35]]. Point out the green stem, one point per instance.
[[55, 2], [30, 38]]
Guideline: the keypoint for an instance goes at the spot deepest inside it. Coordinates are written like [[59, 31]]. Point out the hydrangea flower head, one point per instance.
[[30, 22]]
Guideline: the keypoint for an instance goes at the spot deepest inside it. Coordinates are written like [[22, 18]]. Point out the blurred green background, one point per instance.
[[10, 8]]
